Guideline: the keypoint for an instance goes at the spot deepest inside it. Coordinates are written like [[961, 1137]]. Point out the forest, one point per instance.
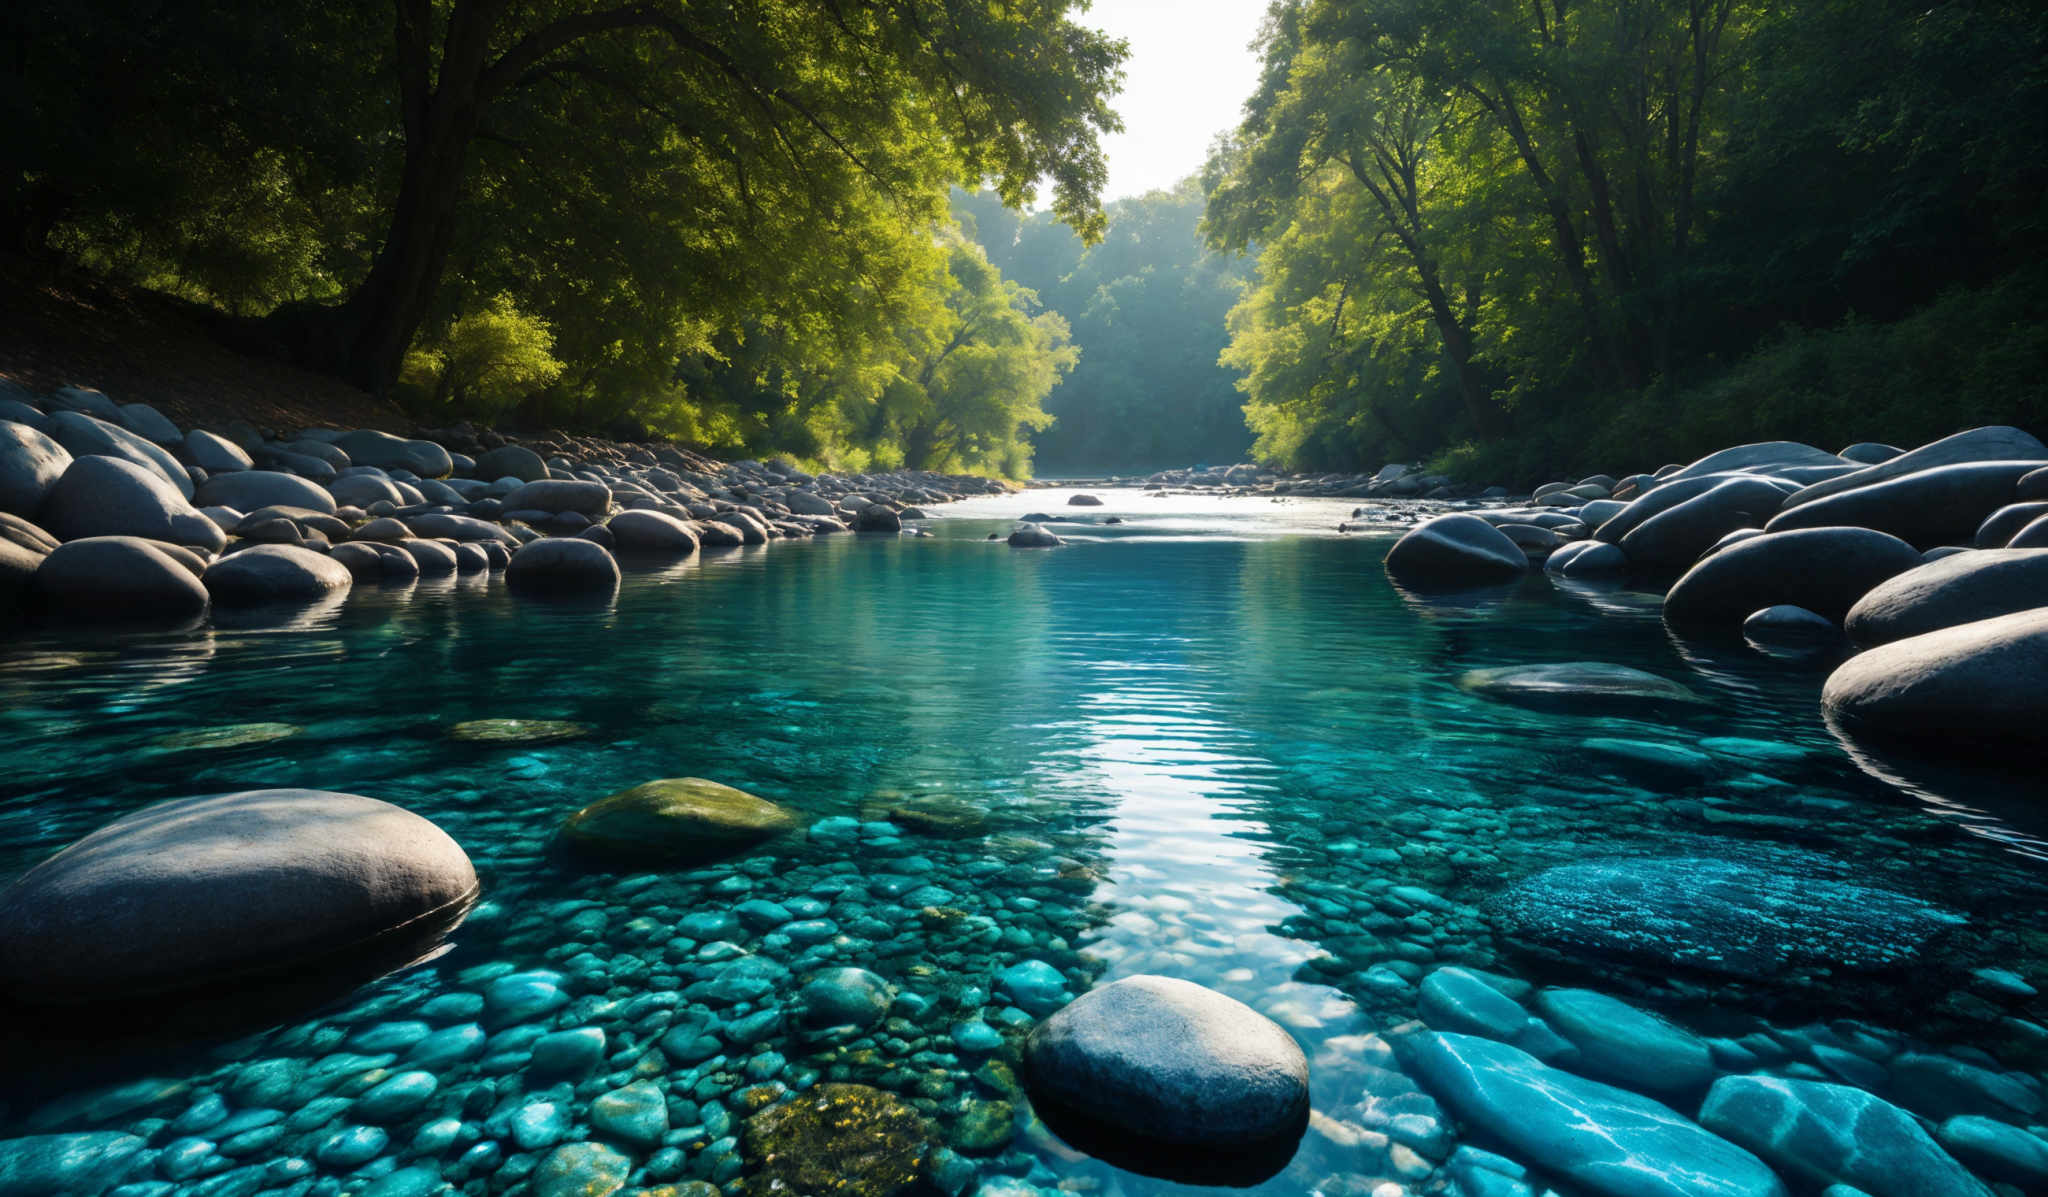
[[1512, 239]]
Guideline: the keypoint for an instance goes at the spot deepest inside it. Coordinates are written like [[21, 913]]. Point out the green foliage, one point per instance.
[[1530, 239], [1146, 306], [487, 362]]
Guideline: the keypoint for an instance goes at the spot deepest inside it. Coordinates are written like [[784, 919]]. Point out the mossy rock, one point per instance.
[[676, 819], [235, 735], [932, 814], [518, 731], [837, 1141]]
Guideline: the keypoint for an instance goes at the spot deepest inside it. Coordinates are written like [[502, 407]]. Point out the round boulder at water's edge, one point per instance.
[[1959, 588], [275, 573], [1981, 684], [199, 892], [1454, 551], [563, 565], [1824, 570]]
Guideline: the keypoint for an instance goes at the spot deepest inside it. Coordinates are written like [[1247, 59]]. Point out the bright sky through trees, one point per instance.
[[1191, 66]]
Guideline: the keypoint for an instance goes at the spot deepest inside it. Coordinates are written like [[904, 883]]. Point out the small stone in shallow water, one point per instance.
[[1630, 1047], [852, 998], [521, 997], [581, 1170], [394, 1099], [1580, 687], [637, 1113], [1821, 1133], [238, 735], [539, 1124], [978, 1037], [681, 819], [837, 1141], [518, 731], [1036, 986], [569, 1053]]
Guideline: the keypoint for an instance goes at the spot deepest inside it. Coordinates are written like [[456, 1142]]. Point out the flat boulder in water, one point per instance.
[[1983, 683], [518, 731], [1763, 921], [563, 565], [116, 578], [1608, 1141], [1960, 588], [237, 735], [1032, 536], [1579, 687], [1824, 570], [675, 819], [1823, 1134], [275, 573], [200, 892], [1453, 551], [1170, 1062]]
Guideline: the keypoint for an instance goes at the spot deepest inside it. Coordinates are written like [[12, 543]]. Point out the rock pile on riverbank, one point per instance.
[[1930, 559], [108, 511]]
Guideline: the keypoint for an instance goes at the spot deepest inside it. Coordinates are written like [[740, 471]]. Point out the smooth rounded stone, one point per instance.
[[115, 578], [1579, 687], [1787, 622], [1034, 536], [2001, 1152], [557, 495], [1453, 999], [1758, 921], [518, 731], [369, 447], [850, 998], [18, 567], [273, 531], [442, 525], [434, 559], [1869, 452], [447, 1046], [236, 735], [1824, 570], [30, 464], [214, 453], [1940, 1086], [1607, 1140], [511, 461], [1820, 1134], [679, 819], [637, 1113], [361, 490], [471, 559], [2033, 536], [383, 529], [1587, 559], [562, 565], [18, 531], [878, 517], [90, 400], [1983, 683], [1084, 501], [1033, 986], [1453, 551], [83, 1165], [247, 490], [1761, 457], [714, 535], [568, 1053], [1629, 1047], [352, 1147], [652, 532], [199, 891], [274, 573], [837, 1140], [397, 1098], [1678, 535], [977, 1038], [375, 562], [85, 436], [105, 496], [1963, 587], [1993, 443], [941, 815], [1942, 505], [2001, 525], [1171, 1062]]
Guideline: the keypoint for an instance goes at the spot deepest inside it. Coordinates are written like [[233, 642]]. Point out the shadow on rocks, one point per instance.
[[1238, 1168]]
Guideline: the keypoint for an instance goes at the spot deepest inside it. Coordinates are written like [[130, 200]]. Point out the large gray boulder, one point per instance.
[[457, 527], [1824, 570], [1763, 457], [2033, 536], [90, 400], [2001, 525], [511, 461], [111, 496], [1994, 443], [30, 464], [563, 565], [146, 421], [1169, 1061], [652, 532], [1821, 1134], [1677, 536], [1961, 588], [556, 495], [878, 517], [361, 490], [366, 446], [275, 573], [85, 436], [1604, 1140], [214, 453], [206, 891], [1454, 551], [1982, 683], [116, 578], [1032, 536], [1936, 506], [247, 490], [1655, 501]]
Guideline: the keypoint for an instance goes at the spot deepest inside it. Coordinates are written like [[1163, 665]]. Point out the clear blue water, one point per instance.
[[1213, 742]]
